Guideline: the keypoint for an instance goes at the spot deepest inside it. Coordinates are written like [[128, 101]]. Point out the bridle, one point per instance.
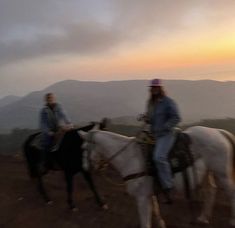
[[104, 163], [108, 160]]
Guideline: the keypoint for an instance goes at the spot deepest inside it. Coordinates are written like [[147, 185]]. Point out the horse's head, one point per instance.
[[102, 125], [92, 152], [92, 156]]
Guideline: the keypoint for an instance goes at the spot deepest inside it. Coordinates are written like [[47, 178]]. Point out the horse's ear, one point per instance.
[[83, 134], [104, 123], [96, 127]]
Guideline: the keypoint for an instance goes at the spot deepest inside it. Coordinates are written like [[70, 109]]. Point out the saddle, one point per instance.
[[37, 141], [48, 160], [180, 156]]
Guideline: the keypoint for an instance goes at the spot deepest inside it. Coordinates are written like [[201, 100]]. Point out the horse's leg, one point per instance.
[[156, 212], [145, 210], [69, 184], [89, 180], [42, 190], [226, 182], [209, 198], [147, 203]]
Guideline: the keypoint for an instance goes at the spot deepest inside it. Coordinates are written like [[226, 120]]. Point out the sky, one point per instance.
[[42, 42]]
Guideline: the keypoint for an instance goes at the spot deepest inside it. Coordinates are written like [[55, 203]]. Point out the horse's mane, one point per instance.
[[116, 136], [84, 128]]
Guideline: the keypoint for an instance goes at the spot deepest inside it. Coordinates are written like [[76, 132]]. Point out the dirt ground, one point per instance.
[[21, 205]]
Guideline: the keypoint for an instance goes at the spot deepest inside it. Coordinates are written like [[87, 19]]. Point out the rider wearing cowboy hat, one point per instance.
[[163, 116]]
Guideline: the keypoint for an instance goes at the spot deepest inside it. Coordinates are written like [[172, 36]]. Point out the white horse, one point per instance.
[[213, 148]]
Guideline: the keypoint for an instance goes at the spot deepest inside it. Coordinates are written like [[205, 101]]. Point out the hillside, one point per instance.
[[8, 100], [21, 205], [89, 101]]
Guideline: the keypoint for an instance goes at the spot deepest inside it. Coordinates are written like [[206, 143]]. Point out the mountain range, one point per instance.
[[8, 100], [121, 100]]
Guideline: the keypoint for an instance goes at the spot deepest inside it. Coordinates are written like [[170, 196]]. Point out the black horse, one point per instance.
[[69, 157]]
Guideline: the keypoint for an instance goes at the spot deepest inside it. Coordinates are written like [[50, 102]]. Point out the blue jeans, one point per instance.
[[46, 144], [160, 158], [46, 141]]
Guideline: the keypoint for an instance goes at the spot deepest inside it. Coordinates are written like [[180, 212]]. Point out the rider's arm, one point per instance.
[[63, 115], [174, 115], [148, 116]]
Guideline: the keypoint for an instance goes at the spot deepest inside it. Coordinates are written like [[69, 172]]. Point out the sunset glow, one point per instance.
[[115, 40]]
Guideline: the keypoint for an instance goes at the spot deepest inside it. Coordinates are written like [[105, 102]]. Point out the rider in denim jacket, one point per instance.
[[52, 119], [163, 116]]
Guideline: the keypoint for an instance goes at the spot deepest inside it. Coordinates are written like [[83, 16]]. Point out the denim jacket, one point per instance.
[[50, 120], [164, 116]]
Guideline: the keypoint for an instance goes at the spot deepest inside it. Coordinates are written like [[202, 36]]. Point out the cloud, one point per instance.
[[81, 39], [34, 29]]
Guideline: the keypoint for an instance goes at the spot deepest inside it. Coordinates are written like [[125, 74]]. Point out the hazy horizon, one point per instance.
[[50, 84], [43, 42]]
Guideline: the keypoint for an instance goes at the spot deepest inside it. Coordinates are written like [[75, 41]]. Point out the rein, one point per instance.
[[119, 151], [106, 162], [90, 140]]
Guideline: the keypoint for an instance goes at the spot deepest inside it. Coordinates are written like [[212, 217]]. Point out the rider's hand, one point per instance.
[[142, 117]]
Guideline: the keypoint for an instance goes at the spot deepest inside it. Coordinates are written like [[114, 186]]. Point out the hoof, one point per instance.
[[202, 220], [105, 207], [74, 209], [162, 224], [232, 222], [49, 202]]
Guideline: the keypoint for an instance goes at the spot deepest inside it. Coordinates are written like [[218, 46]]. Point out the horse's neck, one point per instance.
[[129, 159], [110, 142]]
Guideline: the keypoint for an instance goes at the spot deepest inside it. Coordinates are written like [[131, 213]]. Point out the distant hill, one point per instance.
[[88, 101], [8, 100]]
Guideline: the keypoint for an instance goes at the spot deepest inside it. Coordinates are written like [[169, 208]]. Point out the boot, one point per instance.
[[168, 194]]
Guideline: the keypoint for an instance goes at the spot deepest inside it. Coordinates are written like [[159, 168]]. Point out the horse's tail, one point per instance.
[[31, 155], [231, 139]]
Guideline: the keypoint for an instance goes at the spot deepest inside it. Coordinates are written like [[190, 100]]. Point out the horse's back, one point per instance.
[[209, 135], [215, 149], [206, 136], [195, 130]]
